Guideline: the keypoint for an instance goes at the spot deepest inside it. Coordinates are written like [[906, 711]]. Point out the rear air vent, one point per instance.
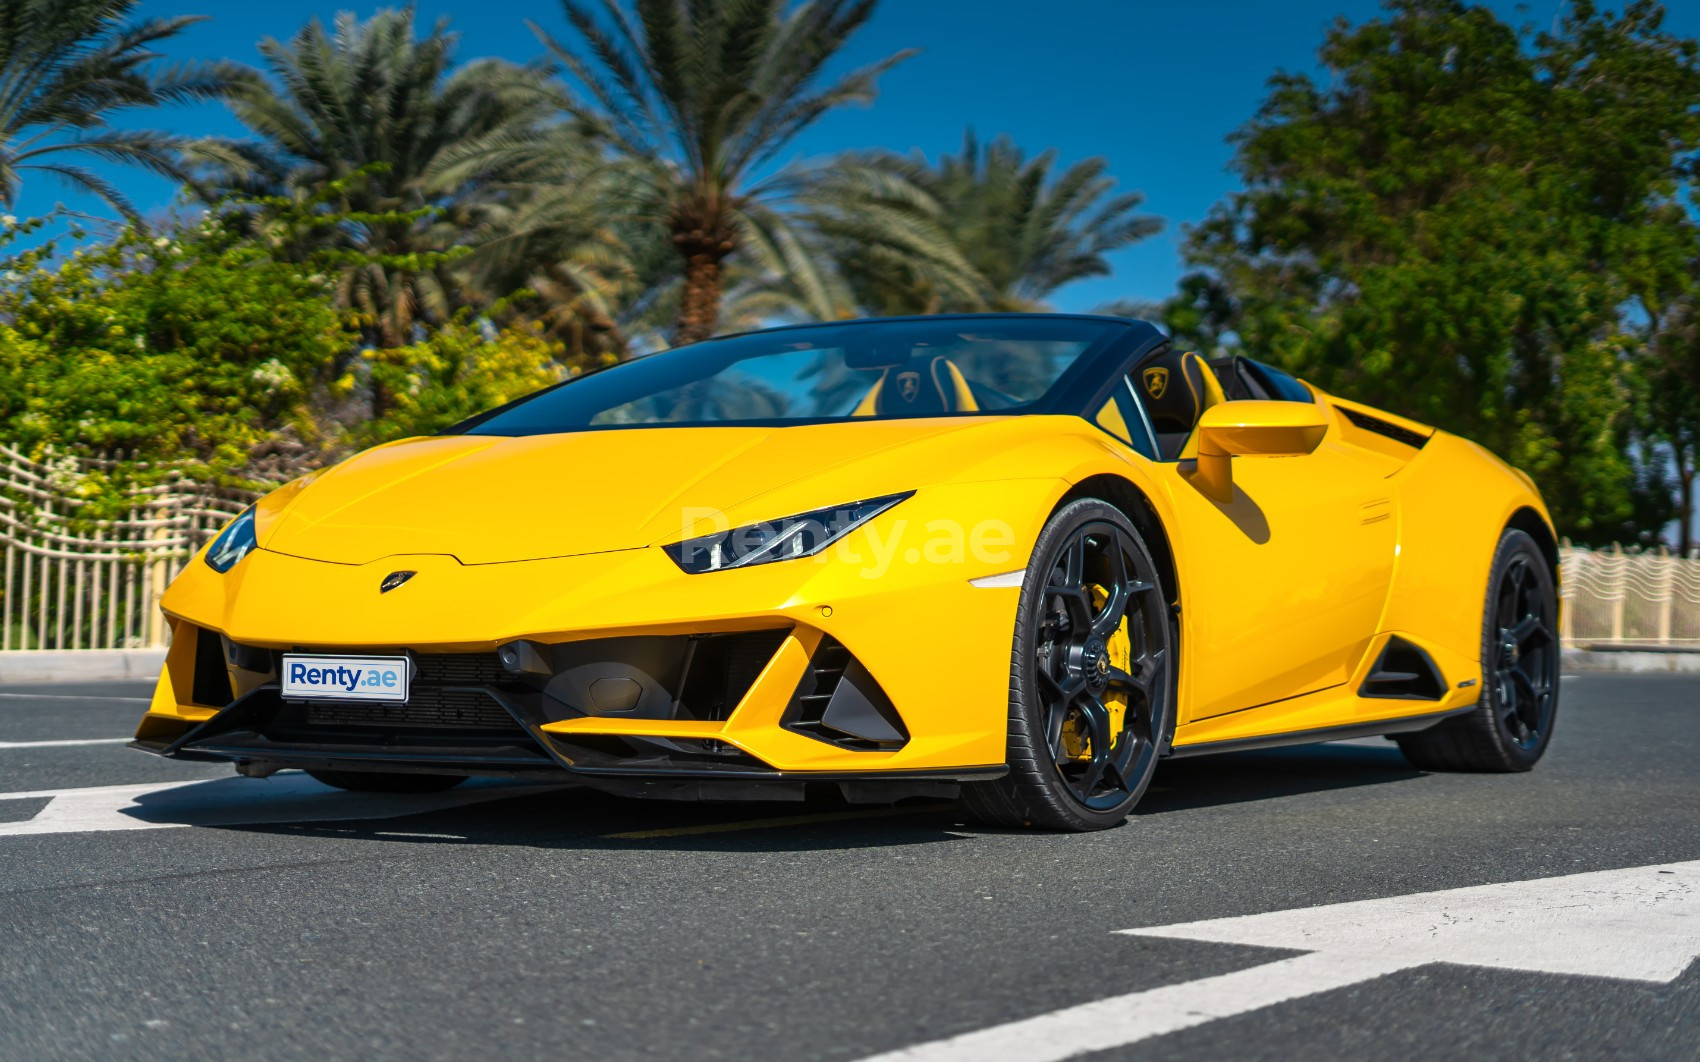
[[839, 702], [1404, 672], [1385, 428]]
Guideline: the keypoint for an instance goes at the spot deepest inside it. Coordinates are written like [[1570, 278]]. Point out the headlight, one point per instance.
[[787, 538], [233, 543]]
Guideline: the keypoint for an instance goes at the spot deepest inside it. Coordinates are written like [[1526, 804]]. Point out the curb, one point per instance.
[[1633, 661], [81, 665]]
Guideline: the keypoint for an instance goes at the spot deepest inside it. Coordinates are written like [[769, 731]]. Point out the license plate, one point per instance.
[[345, 678]]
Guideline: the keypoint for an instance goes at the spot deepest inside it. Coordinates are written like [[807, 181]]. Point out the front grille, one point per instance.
[[428, 703], [426, 706], [460, 669]]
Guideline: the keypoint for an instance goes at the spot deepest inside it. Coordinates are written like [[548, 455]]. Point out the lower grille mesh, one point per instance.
[[465, 709]]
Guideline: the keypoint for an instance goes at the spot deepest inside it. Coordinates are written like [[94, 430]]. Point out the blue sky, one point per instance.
[[1153, 87]]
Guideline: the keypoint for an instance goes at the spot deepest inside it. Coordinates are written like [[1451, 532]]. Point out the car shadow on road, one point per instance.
[[1239, 777], [582, 819]]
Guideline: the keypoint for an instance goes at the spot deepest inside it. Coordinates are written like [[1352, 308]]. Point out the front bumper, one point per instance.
[[934, 647], [470, 714]]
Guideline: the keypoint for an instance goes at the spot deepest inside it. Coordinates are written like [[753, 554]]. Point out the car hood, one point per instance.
[[487, 499]]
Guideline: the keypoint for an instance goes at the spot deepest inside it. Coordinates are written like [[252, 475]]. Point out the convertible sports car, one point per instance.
[[1017, 557]]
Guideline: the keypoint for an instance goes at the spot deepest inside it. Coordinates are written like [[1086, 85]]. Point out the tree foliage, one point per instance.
[[1459, 225], [1025, 228], [67, 69], [376, 99], [691, 105], [204, 348]]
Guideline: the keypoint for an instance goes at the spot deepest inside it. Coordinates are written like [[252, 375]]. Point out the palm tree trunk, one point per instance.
[[699, 310]]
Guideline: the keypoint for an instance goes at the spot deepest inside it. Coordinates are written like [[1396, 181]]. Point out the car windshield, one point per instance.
[[870, 369]]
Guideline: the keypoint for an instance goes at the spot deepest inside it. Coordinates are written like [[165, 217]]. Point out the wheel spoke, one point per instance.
[[1098, 718], [1054, 738], [1529, 628], [1076, 602], [1144, 681], [1066, 689], [1074, 562]]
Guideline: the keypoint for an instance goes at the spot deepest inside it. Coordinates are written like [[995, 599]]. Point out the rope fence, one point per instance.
[[72, 582]]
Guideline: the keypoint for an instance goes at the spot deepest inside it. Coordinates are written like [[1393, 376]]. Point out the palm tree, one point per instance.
[[371, 107], [67, 67], [1024, 227], [692, 103]]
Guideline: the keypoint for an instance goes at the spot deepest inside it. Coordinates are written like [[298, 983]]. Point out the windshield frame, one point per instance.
[[1068, 393]]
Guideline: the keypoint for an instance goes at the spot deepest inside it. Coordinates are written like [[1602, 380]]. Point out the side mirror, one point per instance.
[[1252, 429]]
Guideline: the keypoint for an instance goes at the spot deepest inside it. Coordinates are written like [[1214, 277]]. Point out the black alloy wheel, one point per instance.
[[1525, 663], [1091, 692], [1513, 722]]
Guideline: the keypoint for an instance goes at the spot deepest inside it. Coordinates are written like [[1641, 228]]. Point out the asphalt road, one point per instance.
[[510, 922]]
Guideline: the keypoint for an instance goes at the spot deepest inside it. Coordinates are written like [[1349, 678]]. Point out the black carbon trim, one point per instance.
[[1415, 440], [1377, 728]]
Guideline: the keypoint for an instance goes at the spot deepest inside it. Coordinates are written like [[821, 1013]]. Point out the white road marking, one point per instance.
[[232, 801], [1640, 924], [61, 744]]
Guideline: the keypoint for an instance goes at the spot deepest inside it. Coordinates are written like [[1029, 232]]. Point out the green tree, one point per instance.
[[693, 103], [67, 67], [459, 370], [1455, 224], [1673, 401], [376, 99], [1024, 226], [195, 347], [206, 349]]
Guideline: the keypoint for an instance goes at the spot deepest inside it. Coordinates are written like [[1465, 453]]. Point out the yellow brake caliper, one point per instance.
[[1120, 647]]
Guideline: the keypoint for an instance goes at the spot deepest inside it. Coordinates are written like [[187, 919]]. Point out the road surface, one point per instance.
[[163, 910]]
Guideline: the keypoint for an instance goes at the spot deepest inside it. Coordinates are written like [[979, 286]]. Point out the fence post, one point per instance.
[[1667, 592], [1619, 590], [157, 575]]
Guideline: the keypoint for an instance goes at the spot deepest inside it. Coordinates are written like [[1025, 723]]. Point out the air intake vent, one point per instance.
[[1382, 427], [838, 702], [210, 684], [1404, 672]]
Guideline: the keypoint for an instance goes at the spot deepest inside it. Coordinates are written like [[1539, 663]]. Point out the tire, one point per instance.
[[388, 781], [1094, 639], [1512, 725]]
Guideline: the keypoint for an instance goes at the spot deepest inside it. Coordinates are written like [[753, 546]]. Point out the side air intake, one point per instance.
[[1415, 440], [838, 702], [1404, 672]]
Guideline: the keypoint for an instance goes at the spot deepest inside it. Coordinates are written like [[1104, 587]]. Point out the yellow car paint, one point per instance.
[[1286, 586]]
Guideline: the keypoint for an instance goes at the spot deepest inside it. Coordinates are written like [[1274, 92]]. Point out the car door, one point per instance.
[[1284, 585]]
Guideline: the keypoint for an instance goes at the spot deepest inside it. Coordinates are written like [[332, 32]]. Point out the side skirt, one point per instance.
[[1377, 728]]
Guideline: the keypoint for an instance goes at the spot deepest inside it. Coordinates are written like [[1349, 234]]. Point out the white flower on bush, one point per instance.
[[273, 375], [8, 220]]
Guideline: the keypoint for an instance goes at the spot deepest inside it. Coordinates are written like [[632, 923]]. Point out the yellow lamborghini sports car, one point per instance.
[[1017, 557]]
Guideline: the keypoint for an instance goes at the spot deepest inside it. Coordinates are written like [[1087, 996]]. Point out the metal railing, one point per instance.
[[68, 581], [1613, 597]]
